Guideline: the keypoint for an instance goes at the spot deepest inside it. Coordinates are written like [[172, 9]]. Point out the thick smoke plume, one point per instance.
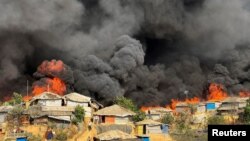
[[148, 50]]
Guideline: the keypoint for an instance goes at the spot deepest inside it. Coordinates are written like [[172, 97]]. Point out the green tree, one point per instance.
[[246, 114], [129, 104], [216, 120], [139, 116], [16, 99], [16, 113], [167, 119], [126, 103], [79, 114]]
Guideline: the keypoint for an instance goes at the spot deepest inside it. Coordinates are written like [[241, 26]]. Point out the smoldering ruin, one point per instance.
[[147, 50]]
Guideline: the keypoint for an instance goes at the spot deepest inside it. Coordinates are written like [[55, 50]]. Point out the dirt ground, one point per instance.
[[160, 137]]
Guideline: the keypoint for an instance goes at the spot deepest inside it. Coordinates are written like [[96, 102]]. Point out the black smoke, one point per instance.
[[147, 50]]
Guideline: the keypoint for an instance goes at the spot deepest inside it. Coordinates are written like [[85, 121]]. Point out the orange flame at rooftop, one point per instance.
[[216, 92], [55, 85]]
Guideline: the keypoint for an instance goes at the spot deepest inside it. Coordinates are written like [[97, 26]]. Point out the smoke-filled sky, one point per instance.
[[147, 50]]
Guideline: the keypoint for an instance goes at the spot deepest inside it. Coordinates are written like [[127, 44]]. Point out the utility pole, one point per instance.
[[27, 88]]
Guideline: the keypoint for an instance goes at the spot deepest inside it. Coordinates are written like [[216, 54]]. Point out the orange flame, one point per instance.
[[193, 100], [216, 92], [55, 85], [51, 66], [244, 94], [27, 98], [145, 108], [6, 98]]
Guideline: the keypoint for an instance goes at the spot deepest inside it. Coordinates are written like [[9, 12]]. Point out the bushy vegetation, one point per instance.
[[15, 99], [126, 103], [129, 104], [61, 136], [216, 120], [245, 116], [79, 114], [167, 119], [139, 116], [32, 137], [182, 122]]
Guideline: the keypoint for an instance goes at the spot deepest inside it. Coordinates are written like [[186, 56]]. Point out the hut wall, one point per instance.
[[40, 120], [154, 116], [122, 127], [73, 103], [153, 129], [2, 117], [121, 120], [109, 119], [242, 104], [88, 111], [181, 109], [201, 109], [49, 102]]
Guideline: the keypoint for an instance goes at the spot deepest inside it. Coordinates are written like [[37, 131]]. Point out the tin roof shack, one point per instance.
[[115, 135], [47, 99], [148, 126], [157, 113], [4, 110], [232, 105], [114, 114], [74, 99], [183, 107]]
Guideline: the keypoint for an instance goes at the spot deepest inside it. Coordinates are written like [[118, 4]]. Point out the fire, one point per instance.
[[193, 100], [53, 66], [6, 98], [244, 94], [55, 85], [145, 108], [27, 98], [216, 92]]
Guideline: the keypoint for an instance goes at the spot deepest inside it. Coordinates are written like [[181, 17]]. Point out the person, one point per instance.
[[89, 125], [49, 135]]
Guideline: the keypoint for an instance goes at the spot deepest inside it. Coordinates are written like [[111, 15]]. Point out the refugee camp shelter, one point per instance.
[[115, 135], [148, 126], [232, 105], [47, 99], [74, 99], [183, 107], [60, 115], [157, 113], [4, 110], [114, 114]]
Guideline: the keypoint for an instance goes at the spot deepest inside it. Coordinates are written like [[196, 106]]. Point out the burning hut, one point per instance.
[[157, 113], [47, 99], [114, 114]]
